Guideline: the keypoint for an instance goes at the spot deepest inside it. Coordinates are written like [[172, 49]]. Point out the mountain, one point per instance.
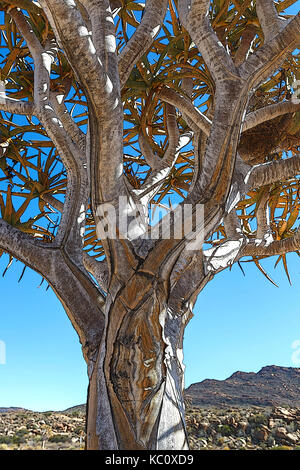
[[271, 386], [11, 409]]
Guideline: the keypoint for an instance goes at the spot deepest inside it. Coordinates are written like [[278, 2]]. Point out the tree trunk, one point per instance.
[[136, 386]]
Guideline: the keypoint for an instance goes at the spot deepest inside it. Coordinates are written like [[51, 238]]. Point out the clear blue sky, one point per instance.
[[240, 323]]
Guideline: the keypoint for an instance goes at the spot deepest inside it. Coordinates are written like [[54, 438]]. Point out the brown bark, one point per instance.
[[136, 387]]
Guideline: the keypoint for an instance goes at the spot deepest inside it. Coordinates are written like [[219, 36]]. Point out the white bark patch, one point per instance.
[[222, 256], [170, 435], [109, 19], [110, 43], [119, 170], [109, 85], [47, 61], [81, 217], [83, 32], [155, 31], [57, 122]]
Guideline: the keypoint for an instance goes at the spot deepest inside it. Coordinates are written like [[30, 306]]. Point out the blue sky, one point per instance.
[[240, 323]]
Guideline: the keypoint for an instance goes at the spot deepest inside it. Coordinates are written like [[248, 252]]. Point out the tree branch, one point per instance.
[[185, 106], [268, 17], [142, 38], [163, 168], [23, 247], [98, 269], [232, 225], [49, 199], [72, 222], [82, 302], [271, 172], [278, 247], [268, 58], [10, 105], [263, 217], [268, 113], [245, 46], [194, 16], [78, 137]]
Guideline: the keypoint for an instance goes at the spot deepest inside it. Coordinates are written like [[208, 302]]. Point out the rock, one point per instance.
[[204, 425], [243, 425], [241, 442], [271, 441], [280, 433], [283, 414], [292, 437], [272, 423], [202, 443], [261, 433]]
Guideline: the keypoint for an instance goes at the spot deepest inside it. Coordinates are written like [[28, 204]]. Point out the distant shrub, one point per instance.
[[226, 430], [58, 438], [259, 419], [78, 430], [22, 432], [6, 439], [16, 439]]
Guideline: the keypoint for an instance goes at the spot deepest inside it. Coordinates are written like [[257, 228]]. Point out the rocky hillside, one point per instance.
[[244, 428], [246, 411], [250, 428], [271, 386], [23, 429]]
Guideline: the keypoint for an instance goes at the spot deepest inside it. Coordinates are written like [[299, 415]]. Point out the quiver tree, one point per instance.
[[171, 104]]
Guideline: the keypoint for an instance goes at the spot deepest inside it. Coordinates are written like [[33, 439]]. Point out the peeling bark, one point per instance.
[[141, 402]]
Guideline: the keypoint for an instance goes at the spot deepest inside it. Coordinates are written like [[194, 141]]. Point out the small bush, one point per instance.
[[22, 432], [259, 419], [58, 438], [6, 439], [78, 430], [226, 430]]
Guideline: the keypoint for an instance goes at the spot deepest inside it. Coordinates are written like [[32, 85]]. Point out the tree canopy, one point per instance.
[[167, 86]]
